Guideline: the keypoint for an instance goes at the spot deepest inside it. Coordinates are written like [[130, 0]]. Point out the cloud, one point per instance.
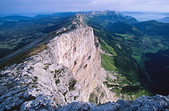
[[31, 6]]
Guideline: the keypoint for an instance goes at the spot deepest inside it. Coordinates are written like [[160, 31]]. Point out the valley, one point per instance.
[[130, 43]]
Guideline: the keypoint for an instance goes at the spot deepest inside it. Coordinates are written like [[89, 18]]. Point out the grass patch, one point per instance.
[[46, 67], [108, 63], [125, 89], [107, 48], [37, 50], [93, 98], [57, 81], [72, 84], [35, 79], [59, 71], [20, 57]]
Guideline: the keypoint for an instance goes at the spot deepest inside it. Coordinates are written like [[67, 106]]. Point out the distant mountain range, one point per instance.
[[145, 16], [165, 20]]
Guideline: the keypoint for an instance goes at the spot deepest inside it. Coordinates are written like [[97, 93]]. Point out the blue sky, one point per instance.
[[51, 6]]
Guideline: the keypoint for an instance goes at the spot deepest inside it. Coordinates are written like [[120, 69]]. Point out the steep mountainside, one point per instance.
[[129, 49], [120, 40], [63, 70]]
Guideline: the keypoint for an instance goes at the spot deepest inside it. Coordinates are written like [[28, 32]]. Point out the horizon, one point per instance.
[[11, 7], [50, 13]]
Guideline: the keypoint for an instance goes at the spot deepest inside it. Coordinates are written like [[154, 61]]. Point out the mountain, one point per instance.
[[146, 16], [165, 20], [18, 33], [92, 57], [108, 17], [64, 69], [122, 28], [128, 47], [120, 39], [156, 53], [153, 28]]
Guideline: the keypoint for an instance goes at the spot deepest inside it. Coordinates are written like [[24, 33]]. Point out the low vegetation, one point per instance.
[[108, 62], [15, 34], [126, 48], [20, 57], [72, 84], [57, 81], [93, 98]]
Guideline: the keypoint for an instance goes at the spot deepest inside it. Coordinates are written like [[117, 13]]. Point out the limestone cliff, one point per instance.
[[64, 69]]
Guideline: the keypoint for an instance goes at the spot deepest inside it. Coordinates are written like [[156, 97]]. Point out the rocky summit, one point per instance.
[[62, 71], [144, 103]]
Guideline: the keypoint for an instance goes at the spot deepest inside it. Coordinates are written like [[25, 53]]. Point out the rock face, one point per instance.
[[68, 69], [79, 51], [144, 103]]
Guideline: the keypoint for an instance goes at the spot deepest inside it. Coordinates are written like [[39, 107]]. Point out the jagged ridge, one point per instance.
[[63, 70]]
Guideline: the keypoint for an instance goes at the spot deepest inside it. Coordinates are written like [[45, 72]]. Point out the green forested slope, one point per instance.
[[128, 44]]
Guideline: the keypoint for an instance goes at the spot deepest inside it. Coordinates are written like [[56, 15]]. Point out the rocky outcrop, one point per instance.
[[144, 103], [66, 69]]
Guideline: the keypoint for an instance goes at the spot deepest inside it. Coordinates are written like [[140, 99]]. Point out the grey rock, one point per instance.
[[52, 77], [147, 108], [107, 107], [145, 104]]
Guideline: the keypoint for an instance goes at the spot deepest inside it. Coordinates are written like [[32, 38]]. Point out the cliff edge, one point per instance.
[[65, 69]]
